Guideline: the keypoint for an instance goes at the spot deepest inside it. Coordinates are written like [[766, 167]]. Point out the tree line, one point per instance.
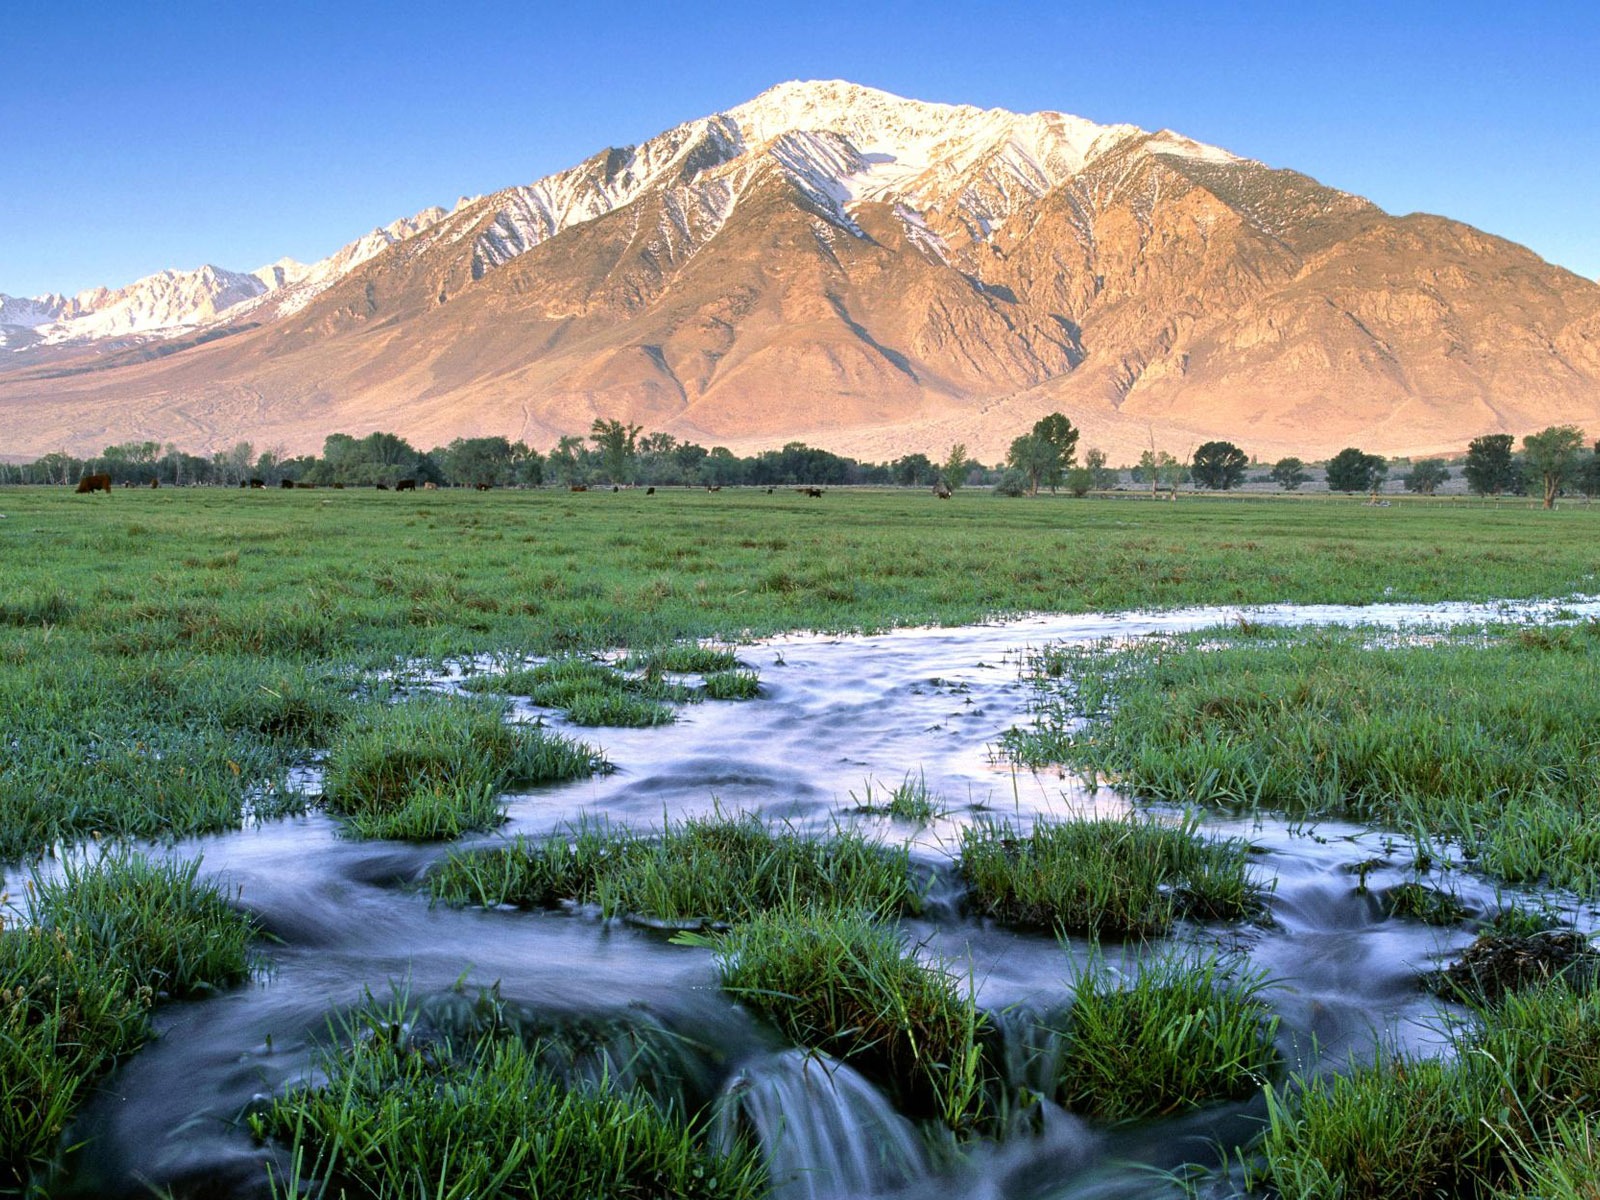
[[1549, 463], [612, 453], [1553, 461]]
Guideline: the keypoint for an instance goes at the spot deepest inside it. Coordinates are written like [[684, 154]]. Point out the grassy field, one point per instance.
[[166, 657], [170, 654]]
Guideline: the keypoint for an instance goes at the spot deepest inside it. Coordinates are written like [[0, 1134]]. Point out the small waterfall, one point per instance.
[[825, 1131]]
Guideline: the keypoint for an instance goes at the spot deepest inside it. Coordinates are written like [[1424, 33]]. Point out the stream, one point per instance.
[[837, 716]]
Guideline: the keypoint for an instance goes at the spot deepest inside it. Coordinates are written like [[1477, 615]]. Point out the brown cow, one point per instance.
[[580, 487], [814, 492], [406, 485], [155, 483], [484, 487], [94, 483], [942, 490]]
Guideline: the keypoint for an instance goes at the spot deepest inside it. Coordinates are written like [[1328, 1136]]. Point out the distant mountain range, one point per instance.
[[833, 264]]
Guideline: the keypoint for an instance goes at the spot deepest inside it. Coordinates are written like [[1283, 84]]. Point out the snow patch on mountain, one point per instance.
[[163, 303], [303, 284]]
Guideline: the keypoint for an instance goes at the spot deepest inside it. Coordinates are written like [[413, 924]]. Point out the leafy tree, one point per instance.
[[957, 466], [913, 470], [1589, 474], [1080, 481], [568, 461], [1104, 476], [379, 457], [721, 467], [468, 462], [1352, 471], [528, 469], [232, 466], [1036, 459], [1219, 466], [1160, 470], [1426, 475], [1489, 468], [1552, 456], [130, 462], [617, 445], [55, 467], [1012, 482], [1289, 473], [1057, 432], [689, 457]]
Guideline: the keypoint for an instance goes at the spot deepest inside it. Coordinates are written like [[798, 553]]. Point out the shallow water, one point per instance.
[[837, 716]]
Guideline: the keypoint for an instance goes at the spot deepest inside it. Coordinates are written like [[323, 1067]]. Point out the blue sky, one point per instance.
[[136, 136]]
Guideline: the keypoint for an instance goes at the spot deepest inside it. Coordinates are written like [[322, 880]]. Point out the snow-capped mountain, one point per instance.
[[875, 274], [169, 303], [839, 143]]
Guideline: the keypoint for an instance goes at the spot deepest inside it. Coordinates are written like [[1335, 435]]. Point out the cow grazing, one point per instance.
[[942, 490], [257, 483], [287, 483], [814, 492], [406, 485], [94, 483], [155, 483], [769, 491], [484, 487], [713, 487], [650, 491], [580, 487], [382, 487], [615, 488]]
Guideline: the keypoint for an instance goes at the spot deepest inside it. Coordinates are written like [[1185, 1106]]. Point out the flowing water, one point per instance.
[[837, 716]]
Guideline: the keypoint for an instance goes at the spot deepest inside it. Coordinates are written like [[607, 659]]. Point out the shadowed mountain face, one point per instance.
[[835, 265]]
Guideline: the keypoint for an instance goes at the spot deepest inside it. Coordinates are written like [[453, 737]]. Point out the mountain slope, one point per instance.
[[872, 274]]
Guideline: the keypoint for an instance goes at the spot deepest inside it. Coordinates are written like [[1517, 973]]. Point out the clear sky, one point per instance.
[[139, 135]]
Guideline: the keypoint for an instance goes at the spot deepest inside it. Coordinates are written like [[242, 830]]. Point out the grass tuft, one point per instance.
[[401, 1114], [1521, 1078], [433, 767], [1420, 902], [1184, 1034], [590, 693], [849, 986], [102, 944], [685, 658], [910, 800], [732, 685], [1113, 877], [701, 870]]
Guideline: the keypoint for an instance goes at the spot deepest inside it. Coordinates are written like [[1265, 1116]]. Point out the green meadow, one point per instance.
[[169, 657]]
